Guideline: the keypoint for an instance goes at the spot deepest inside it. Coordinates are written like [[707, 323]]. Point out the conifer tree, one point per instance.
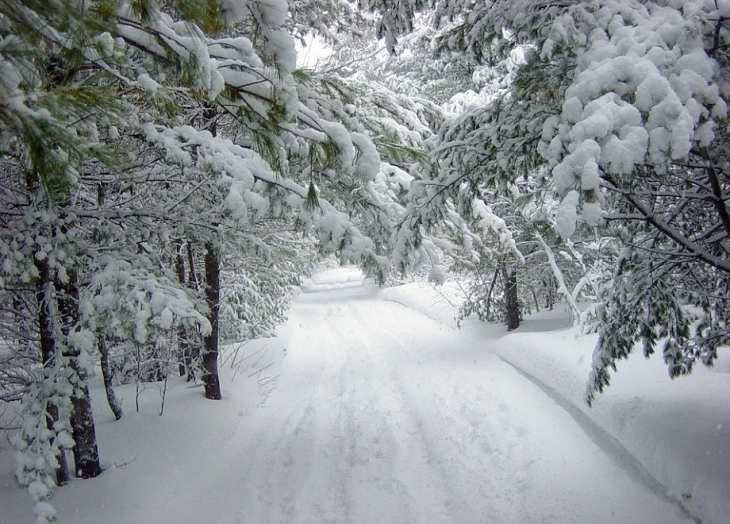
[[627, 120], [130, 129]]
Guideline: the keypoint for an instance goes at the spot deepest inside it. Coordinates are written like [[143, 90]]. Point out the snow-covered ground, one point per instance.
[[675, 435], [370, 407]]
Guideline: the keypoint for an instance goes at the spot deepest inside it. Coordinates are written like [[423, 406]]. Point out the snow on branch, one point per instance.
[[247, 175], [487, 220], [132, 302], [644, 91]]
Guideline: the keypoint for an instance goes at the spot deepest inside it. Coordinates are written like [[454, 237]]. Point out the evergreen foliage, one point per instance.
[[614, 105], [137, 139], [167, 174]]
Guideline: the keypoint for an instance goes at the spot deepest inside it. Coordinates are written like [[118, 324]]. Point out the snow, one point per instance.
[[675, 431], [370, 406], [566, 215], [368, 164], [644, 90], [44, 512], [147, 83]]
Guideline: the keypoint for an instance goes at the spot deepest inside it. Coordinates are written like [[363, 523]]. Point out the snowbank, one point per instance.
[[678, 431], [439, 303]]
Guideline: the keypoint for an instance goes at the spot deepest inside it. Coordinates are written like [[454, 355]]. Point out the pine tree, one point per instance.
[[620, 115], [130, 130]]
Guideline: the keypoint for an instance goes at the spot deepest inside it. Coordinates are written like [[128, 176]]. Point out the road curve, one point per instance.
[[382, 417]]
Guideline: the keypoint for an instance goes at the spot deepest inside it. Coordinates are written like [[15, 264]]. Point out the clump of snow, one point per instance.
[[487, 220], [644, 90], [233, 10], [147, 83], [567, 215], [368, 164], [437, 275], [592, 213], [44, 513], [39, 490]]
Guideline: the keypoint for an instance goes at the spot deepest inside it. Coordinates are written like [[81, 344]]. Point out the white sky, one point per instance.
[[309, 55]]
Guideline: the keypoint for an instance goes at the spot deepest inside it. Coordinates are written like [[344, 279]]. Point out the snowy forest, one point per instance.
[[174, 173]]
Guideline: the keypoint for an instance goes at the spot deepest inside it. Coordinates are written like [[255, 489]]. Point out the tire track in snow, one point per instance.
[[271, 475], [508, 471], [332, 458], [286, 479], [373, 425], [468, 485], [374, 441]]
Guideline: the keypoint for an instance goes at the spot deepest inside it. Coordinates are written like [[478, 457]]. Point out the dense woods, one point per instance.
[[167, 174]]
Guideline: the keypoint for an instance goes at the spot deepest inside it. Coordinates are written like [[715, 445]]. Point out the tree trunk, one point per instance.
[[86, 452], [212, 295], [44, 296], [192, 351], [106, 373], [182, 346], [489, 293], [192, 275], [185, 361], [512, 305]]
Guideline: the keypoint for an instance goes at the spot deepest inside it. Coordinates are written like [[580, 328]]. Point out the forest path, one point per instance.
[[382, 417]]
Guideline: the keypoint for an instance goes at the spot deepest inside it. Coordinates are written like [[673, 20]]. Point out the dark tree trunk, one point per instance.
[[209, 119], [489, 293], [182, 345], [192, 351], [512, 305], [549, 295], [185, 360], [19, 319], [101, 193], [106, 373], [86, 452], [212, 295], [192, 275], [44, 296]]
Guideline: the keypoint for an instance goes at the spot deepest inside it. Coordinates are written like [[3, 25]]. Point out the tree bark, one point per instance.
[[192, 275], [180, 270], [212, 295], [44, 296], [512, 305], [191, 351], [86, 452], [491, 289], [106, 373], [184, 355]]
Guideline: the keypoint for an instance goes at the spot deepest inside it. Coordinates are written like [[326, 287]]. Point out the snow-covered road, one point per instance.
[[382, 415]]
